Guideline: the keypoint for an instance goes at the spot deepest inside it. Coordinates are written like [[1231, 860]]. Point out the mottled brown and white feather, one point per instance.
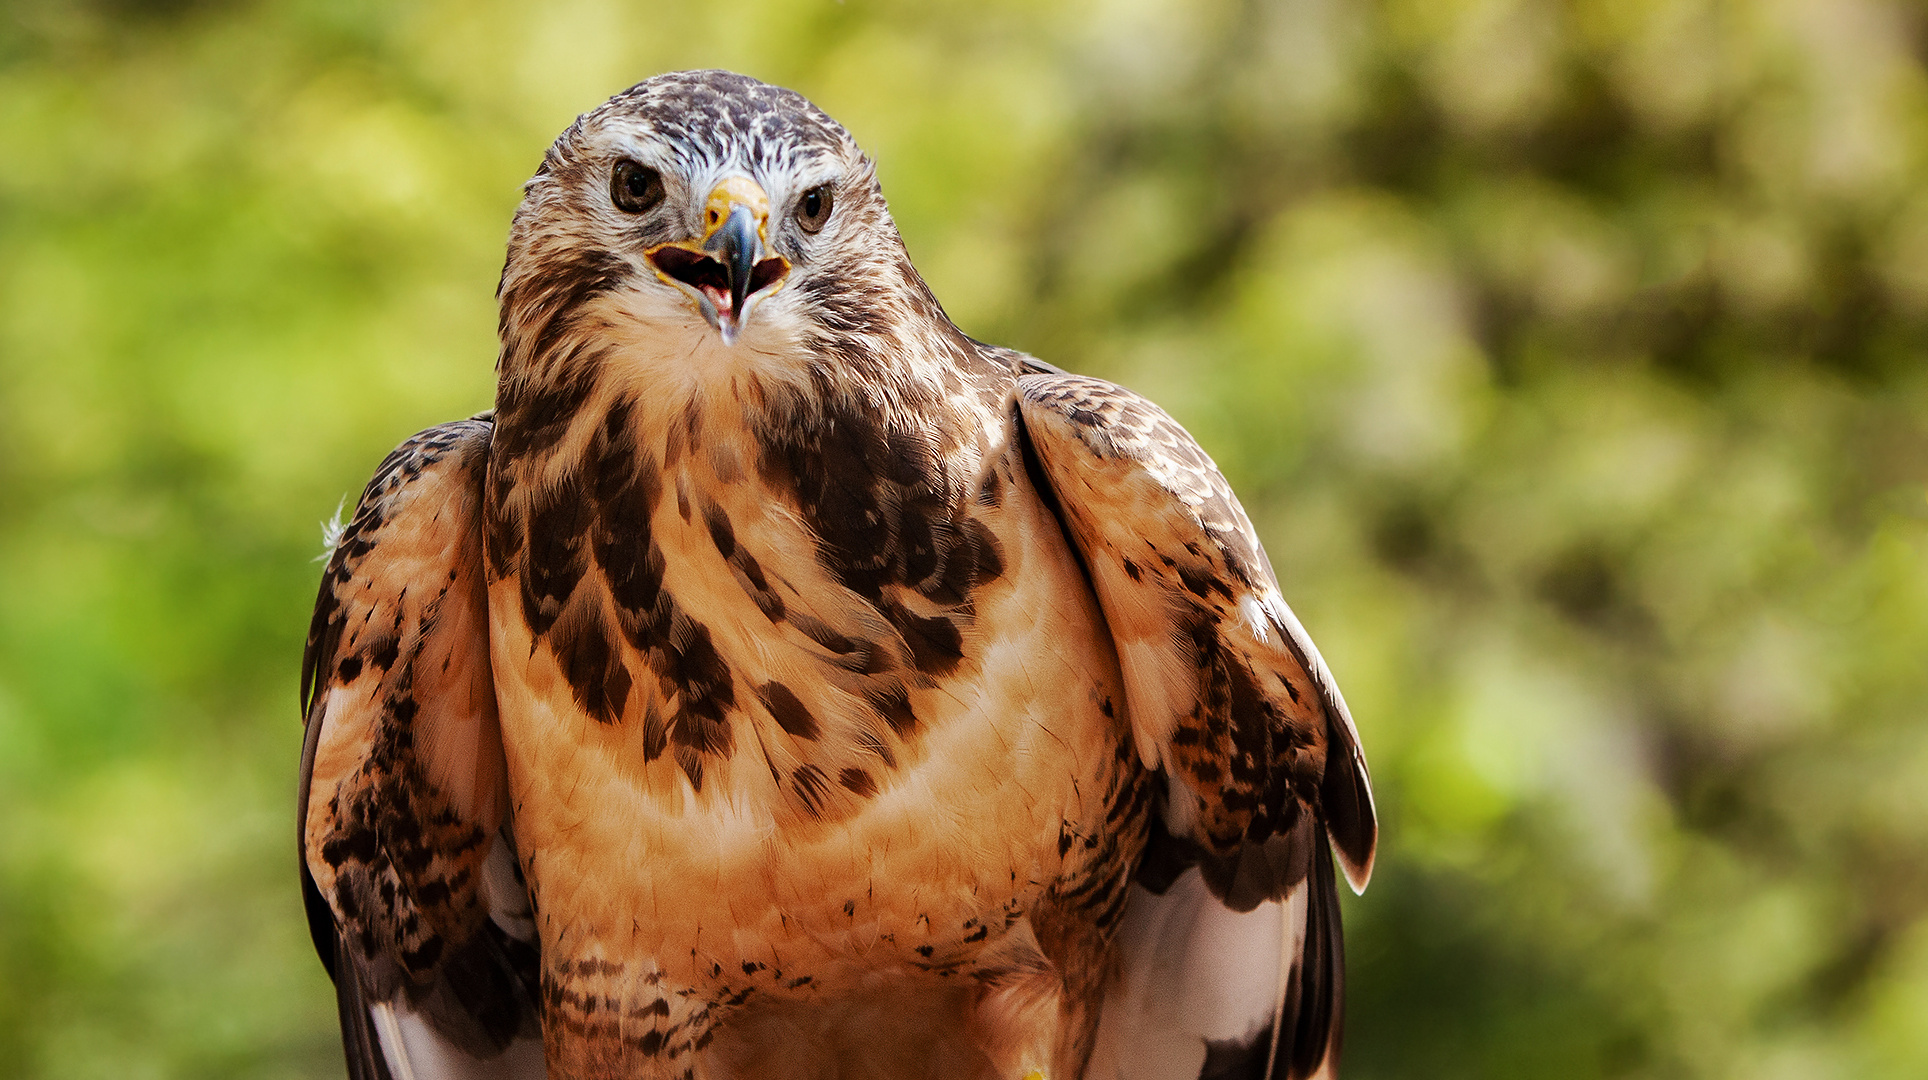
[[1232, 706], [406, 861]]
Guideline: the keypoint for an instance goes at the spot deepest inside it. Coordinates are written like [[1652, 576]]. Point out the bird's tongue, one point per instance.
[[719, 299]]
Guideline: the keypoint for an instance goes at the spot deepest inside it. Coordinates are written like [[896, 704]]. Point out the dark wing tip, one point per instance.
[[1313, 1024], [1345, 791], [361, 1046], [1345, 795]]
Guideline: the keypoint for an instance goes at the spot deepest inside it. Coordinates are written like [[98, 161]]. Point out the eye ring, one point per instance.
[[635, 188], [813, 208]]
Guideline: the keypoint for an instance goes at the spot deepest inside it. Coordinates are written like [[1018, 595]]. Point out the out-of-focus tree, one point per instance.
[[1569, 355]]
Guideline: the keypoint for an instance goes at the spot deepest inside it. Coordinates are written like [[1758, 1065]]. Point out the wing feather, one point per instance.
[[1231, 703], [408, 866]]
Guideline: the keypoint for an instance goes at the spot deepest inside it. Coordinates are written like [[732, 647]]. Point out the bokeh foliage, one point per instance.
[[1569, 355]]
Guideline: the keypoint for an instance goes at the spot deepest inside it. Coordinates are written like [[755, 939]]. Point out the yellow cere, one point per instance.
[[736, 191]]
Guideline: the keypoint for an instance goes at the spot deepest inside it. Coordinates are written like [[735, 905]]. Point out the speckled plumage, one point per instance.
[[790, 686]]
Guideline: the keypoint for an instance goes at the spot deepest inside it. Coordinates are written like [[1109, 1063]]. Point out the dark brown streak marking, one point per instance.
[[790, 713], [603, 514], [534, 416], [688, 663], [887, 513], [721, 533], [655, 733], [537, 310], [748, 572], [935, 644], [814, 629], [872, 744], [555, 556], [893, 704], [858, 782], [691, 762], [811, 788], [595, 669], [627, 490]]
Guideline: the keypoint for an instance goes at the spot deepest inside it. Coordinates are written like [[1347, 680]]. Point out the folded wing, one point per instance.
[[1231, 949], [408, 866]]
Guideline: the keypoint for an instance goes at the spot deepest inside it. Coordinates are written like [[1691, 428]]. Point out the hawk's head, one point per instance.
[[697, 224]]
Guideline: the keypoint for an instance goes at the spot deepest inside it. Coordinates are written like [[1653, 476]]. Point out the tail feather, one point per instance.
[[1314, 1008], [360, 1044], [1208, 993]]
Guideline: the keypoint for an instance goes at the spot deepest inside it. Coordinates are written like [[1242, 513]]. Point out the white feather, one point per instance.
[[506, 899], [1254, 611], [388, 1032], [1192, 971], [331, 531], [415, 1052]]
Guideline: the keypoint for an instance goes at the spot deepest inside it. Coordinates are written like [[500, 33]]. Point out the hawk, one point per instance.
[[780, 683]]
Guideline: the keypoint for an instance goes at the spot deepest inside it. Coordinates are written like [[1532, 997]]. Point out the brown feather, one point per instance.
[[403, 784]]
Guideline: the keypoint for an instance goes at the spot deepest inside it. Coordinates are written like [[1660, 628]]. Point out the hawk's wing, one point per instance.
[[414, 897], [1232, 963]]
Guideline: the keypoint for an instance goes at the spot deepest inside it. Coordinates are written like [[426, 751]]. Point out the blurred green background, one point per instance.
[[1570, 357]]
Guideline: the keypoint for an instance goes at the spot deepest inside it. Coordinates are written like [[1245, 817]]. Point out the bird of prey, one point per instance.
[[780, 683]]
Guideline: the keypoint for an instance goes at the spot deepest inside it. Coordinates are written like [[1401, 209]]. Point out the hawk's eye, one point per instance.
[[814, 208], [635, 188]]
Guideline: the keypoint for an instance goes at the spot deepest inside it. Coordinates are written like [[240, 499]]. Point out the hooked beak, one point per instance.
[[731, 265]]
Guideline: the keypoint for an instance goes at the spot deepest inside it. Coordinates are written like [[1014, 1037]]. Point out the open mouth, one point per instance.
[[711, 279]]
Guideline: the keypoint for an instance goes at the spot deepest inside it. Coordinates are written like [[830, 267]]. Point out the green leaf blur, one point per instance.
[[1570, 357]]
